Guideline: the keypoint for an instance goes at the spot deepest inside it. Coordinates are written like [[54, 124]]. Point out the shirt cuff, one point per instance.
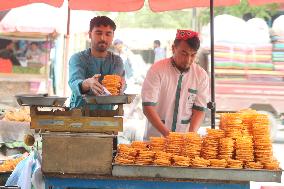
[[78, 90], [149, 103], [199, 108]]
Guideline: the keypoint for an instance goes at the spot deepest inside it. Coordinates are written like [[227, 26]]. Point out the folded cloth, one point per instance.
[[25, 171]]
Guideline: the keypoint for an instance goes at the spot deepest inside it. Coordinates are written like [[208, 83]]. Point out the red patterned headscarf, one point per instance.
[[186, 34]]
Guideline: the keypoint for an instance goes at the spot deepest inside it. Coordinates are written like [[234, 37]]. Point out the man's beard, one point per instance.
[[101, 48], [182, 69]]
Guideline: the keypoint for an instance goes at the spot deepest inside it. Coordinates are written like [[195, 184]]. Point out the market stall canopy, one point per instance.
[[120, 5], [130, 5], [6, 5], [155, 5]]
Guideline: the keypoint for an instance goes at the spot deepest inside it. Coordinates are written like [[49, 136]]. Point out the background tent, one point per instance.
[[32, 18], [43, 18]]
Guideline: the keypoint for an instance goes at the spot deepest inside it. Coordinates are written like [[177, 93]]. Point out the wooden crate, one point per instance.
[[77, 124], [77, 153], [73, 121]]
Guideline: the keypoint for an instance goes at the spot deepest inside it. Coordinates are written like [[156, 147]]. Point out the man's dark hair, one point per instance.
[[193, 42], [102, 20], [34, 43], [157, 42], [4, 43]]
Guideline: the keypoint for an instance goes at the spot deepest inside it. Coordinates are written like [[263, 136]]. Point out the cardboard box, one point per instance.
[[81, 153]]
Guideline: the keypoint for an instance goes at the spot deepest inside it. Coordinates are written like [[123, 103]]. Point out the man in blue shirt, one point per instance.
[[87, 68]]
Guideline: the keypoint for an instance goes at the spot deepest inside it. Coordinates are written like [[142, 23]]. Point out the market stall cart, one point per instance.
[[139, 177]]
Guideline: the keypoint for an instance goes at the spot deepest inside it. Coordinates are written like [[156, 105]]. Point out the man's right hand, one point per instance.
[[153, 117], [93, 84]]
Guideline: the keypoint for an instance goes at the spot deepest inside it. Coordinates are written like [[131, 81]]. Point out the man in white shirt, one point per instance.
[[176, 90]]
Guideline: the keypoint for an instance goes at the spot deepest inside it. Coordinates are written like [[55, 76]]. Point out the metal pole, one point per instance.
[[213, 107], [68, 20], [66, 52]]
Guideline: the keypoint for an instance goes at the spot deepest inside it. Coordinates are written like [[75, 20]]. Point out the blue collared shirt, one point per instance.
[[83, 65]]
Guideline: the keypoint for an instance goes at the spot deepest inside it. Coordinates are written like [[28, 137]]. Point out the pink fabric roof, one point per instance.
[[9, 4], [155, 5], [120, 5], [130, 5], [107, 5]]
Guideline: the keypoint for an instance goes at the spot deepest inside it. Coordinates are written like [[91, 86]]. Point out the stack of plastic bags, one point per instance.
[[240, 44], [277, 38]]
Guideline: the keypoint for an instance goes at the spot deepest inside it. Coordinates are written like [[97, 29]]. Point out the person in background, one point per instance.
[[34, 53], [21, 48], [87, 68], [159, 52], [176, 90], [121, 50], [7, 51]]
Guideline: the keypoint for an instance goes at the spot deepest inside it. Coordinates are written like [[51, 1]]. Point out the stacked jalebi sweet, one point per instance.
[[145, 157], [192, 145], [175, 143], [218, 163], [21, 115], [126, 154], [232, 125], [112, 83], [163, 158], [233, 163], [200, 162], [261, 138], [157, 144], [253, 165], [210, 143], [244, 149], [226, 148], [181, 161], [243, 142]]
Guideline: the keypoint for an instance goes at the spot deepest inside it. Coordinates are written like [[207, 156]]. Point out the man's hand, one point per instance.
[[123, 86], [93, 84], [154, 118], [196, 120]]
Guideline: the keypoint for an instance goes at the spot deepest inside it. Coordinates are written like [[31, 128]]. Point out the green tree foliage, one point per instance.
[[265, 11], [145, 18]]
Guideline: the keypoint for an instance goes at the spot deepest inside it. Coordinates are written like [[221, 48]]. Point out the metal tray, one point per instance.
[[258, 175], [40, 100], [120, 99]]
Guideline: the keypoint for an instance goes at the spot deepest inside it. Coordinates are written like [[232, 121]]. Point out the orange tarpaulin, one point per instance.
[[120, 5], [155, 5], [130, 5], [9, 4], [107, 5]]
